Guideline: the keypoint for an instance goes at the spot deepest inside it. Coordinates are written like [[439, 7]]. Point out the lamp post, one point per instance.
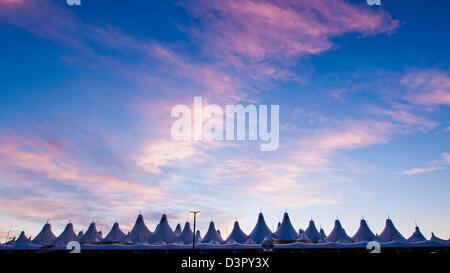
[[195, 221]]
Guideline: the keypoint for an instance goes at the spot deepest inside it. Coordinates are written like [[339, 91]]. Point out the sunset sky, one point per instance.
[[86, 93]]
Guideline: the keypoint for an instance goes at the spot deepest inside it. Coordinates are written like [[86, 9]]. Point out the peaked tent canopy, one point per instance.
[[417, 236], [177, 230], [286, 231], [140, 232], [44, 237], [302, 236], [23, 239], [80, 234], [364, 234], [338, 234], [236, 235], [312, 233], [91, 234], [186, 235], [198, 237], [211, 236], [260, 231], [435, 239], [163, 233], [115, 234], [390, 233], [323, 236], [66, 236]]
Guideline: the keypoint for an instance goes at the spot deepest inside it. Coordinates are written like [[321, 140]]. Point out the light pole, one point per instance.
[[195, 221]]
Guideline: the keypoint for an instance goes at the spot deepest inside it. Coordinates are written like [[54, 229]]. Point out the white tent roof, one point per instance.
[[177, 230], [186, 235], [390, 233], [312, 233], [236, 235], [302, 235], [91, 234], [126, 239], [198, 237], [212, 237], [140, 232], [115, 234], [323, 236], [364, 234], [338, 234], [286, 231], [417, 236], [66, 236], [44, 237], [163, 233], [435, 239], [23, 239], [260, 231]]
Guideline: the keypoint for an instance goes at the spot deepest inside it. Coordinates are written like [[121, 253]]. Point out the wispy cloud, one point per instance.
[[435, 165]]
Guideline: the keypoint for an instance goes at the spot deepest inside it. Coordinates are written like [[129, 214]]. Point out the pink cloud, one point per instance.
[[25, 159], [429, 87], [267, 29], [435, 165]]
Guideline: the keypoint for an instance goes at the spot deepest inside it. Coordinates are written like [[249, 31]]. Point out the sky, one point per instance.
[[86, 94]]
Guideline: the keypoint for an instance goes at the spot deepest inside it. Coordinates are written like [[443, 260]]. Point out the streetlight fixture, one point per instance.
[[195, 221]]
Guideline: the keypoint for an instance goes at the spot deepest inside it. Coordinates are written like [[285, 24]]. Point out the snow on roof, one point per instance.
[[364, 234], [338, 234], [236, 235], [211, 236], [44, 237], [66, 236], [260, 231], [390, 233], [286, 231]]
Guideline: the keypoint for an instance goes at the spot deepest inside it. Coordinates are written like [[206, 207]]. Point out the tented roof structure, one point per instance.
[[91, 234], [80, 234], [163, 233], [198, 237], [417, 236], [23, 239], [236, 235], [186, 235], [115, 234], [312, 233], [286, 231], [435, 239], [66, 236], [177, 230], [338, 234], [211, 236], [140, 232], [11, 242], [323, 236], [390, 233], [364, 234], [126, 239], [260, 231], [302, 236], [44, 237]]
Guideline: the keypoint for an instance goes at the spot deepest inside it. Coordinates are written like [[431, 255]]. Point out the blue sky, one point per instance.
[[86, 93]]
